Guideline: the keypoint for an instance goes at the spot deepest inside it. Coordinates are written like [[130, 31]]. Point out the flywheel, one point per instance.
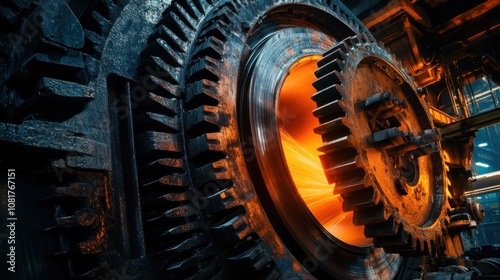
[[380, 148]]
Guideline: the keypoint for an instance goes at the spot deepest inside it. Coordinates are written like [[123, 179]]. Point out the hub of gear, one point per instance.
[[380, 148]]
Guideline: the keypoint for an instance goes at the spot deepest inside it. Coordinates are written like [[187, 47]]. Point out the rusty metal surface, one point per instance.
[[390, 171]]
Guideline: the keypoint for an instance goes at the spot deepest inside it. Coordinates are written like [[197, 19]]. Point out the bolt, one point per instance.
[[477, 210]]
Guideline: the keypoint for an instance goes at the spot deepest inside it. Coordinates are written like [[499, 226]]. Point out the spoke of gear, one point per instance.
[[380, 148]]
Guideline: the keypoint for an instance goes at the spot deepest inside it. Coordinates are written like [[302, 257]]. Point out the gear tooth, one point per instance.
[[367, 38], [399, 240], [157, 122], [95, 40], [337, 64], [189, 243], [414, 247], [161, 48], [348, 181], [161, 87], [202, 5], [435, 247], [329, 94], [101, 23], [371, 215], [341, 167], [328, 57], [182, 229], [426, 247], [183, 211], [206, 146], [167, 199], [202, 120], [155, 145], [335, 145], [231, 230], [170, 37], [160, 104], [341, 46], [339, 162], [197, 257], [334, 77], [161, 69], [219, 201], [177, 25], [111, 7], [354, 40], [201, 92], [254, 258], [381, 45], [172, 181], [331, 109], [357, 200], [387, 228], [393, 57], [82, 218], [404, 70], [193, 8], [204, 68], [334, 127], [212, 47]]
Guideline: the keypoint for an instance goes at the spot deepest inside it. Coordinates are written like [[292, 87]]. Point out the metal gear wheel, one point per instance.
[[380, 148]]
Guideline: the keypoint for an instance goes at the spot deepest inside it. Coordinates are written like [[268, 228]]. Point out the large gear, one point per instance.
[[380, 148]]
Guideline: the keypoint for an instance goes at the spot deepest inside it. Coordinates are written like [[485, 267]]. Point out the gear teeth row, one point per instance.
[[222, 206], [188, 227], [53, 86], [172, 224], [82, 227], [340, 158]]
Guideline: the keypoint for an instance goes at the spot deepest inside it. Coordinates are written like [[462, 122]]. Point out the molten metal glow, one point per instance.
[[300, 149]]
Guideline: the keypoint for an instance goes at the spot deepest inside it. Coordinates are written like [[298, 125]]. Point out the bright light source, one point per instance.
[[482, 164], [483, 145]]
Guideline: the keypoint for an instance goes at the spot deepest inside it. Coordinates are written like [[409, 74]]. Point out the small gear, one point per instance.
[[381, 148]]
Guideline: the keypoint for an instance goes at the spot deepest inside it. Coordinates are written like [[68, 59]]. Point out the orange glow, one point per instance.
[[300, 145]]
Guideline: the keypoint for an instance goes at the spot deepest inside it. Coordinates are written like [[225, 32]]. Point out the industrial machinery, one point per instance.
[[249, 139]]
